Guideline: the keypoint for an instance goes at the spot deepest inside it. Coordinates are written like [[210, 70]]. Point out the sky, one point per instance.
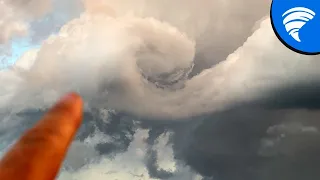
[[18, 48], [178, 90]]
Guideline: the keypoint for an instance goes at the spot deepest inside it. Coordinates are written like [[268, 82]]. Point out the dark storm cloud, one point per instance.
[[277, 141], [280, 141], [153, 168], [304, 94], [277, 138]]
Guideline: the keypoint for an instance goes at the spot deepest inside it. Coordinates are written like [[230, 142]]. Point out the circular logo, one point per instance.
[[297, 24]]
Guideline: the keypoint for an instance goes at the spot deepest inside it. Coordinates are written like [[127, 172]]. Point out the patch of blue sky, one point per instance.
[[40, 29], [18, 48]]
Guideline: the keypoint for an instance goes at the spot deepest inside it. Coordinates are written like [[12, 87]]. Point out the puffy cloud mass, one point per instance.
[[15, 15], [217, 63]]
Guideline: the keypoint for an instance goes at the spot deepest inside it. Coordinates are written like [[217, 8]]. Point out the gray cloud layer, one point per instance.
[[274, 138]]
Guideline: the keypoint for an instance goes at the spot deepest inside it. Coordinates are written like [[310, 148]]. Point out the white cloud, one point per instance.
[[128, 165], [102, 53], [98, 56], [15, 14]]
